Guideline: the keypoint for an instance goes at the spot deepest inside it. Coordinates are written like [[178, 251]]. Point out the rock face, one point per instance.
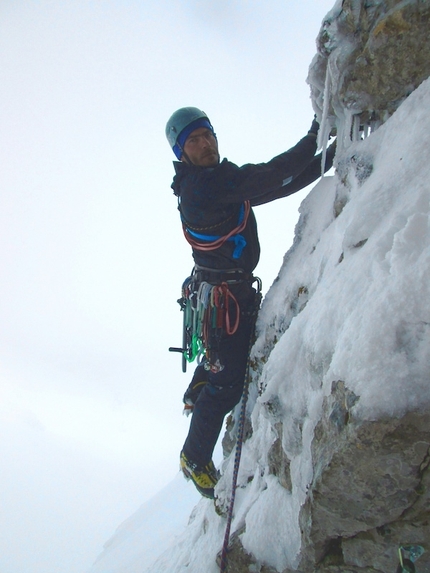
[[370, 492], [371, 56]]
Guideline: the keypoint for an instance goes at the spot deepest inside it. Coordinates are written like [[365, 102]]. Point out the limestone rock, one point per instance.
[[376, 54], [370, 493]]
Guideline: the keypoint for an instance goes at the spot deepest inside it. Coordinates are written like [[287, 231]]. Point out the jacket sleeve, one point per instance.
[[310, 173], [265, 182]]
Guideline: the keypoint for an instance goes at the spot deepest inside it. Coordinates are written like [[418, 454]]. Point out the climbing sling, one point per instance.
[[206, 242]]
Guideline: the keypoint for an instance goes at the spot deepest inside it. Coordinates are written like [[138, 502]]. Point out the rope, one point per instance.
[[213, 243], [239, 443]]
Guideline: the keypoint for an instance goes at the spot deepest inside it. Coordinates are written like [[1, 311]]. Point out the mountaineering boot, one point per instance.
[[204, 478]]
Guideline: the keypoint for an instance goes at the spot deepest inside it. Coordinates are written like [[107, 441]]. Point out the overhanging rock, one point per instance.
[[371, 56]]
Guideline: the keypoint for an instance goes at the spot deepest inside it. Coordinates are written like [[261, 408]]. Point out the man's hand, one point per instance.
[[314, 127]]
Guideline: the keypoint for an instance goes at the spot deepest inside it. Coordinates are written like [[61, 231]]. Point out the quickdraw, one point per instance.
[[210, 312]]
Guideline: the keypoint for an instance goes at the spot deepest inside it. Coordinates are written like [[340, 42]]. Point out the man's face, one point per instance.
[[201, 148]]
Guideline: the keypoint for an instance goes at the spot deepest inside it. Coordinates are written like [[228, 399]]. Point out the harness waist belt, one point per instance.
[[217, 276]]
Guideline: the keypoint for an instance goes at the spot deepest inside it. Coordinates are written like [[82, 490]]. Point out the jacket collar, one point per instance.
[[181, 167]]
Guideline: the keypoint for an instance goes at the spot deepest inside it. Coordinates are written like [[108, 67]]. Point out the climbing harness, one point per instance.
[[211, 311], [239, 441]]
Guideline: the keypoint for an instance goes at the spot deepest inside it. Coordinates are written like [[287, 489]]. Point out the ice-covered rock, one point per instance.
[[341, 416], [371, 54]]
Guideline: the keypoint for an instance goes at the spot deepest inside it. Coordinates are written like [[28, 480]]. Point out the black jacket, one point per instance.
[[210, 198]]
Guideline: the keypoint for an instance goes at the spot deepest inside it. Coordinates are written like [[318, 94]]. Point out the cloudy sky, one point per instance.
[[91, 252]]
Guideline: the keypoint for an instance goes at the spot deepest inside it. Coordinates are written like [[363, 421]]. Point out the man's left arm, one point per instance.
[[293, 184]]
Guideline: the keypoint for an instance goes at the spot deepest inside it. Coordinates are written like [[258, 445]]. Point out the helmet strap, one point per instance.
[[188, 160]]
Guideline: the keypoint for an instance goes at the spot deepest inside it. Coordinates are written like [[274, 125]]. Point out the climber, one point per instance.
[[215, 204]]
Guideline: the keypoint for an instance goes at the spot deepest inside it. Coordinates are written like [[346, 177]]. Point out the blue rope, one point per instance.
[[238, 240]]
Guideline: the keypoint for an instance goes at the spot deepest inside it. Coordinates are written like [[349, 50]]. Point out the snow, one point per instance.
[[350, 304], [150, 531]]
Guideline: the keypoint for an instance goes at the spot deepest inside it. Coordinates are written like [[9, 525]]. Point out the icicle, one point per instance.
[[344, 130], [349, 117], [366, 129], [355, 135], [326, 105], [375, 124], [324, 131], [323, 158]]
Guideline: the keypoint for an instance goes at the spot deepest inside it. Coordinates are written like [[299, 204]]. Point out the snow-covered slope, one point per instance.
[[149, 532], [350, 304]]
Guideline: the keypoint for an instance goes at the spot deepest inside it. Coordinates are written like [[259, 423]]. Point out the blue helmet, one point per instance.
[[181, 124]]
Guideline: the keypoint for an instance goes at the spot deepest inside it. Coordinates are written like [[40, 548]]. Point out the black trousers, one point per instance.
[[223, 389]]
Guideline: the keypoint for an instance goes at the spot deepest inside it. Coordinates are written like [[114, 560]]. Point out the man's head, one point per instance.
[[192, 137]]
